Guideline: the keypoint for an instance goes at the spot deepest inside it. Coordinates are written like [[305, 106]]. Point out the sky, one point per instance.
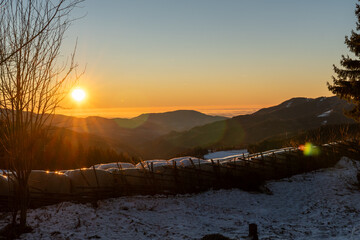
[[216, 56]]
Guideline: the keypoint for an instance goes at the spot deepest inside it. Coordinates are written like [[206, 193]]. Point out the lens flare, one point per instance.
[[309, 149]]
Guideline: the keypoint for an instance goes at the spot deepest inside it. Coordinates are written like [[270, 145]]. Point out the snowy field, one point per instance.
[[223, 154], [318, 205]]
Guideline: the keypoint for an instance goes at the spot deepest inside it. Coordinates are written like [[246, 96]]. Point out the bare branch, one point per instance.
[[32, 81]]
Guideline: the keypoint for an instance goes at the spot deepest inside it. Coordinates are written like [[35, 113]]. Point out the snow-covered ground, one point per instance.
[[223, 154], [318, 205]]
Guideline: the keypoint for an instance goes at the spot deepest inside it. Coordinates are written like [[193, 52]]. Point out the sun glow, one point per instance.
[[78, 94]]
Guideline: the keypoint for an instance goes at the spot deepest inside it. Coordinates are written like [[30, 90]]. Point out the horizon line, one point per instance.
[[126, 112]]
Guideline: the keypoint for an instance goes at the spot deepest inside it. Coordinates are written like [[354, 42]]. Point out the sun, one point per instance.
[[78, 94]]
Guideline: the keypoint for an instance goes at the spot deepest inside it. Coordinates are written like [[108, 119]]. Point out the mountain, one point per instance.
[[286, 118], [139, 130], [180, 120], [66, 149]]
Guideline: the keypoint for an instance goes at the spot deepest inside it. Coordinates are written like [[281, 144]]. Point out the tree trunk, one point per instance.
[[24, 200]]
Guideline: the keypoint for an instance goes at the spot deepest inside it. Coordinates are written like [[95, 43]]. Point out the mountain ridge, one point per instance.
[[287, 117], [138, 130]]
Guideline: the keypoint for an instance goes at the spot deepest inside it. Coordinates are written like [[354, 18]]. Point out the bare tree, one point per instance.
[[32, 81]]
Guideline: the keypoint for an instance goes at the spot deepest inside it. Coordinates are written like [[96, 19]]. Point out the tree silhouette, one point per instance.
[[32, 82], [346, 84]]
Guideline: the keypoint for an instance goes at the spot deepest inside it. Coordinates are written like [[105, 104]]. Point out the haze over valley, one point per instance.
[[165, 135]]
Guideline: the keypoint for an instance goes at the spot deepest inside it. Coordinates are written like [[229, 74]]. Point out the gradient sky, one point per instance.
[[215, 54]]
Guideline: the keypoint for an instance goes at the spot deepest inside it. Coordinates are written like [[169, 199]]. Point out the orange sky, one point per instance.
[[143, 56], [227, 111]]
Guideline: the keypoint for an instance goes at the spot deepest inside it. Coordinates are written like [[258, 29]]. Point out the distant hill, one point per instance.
[[318, 136], [180, 120], [86, 140], [139, 130], [286, 118], [66, 149]]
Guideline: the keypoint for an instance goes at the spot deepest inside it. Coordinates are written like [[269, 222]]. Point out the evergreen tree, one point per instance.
[[346, 84]]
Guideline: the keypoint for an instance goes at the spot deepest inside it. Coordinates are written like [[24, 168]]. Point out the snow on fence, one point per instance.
[[88, 179], [114, 165], [49, 182], [177, 175]]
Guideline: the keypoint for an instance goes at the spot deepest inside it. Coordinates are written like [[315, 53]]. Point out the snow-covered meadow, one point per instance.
[[318, 205], [224, 154]]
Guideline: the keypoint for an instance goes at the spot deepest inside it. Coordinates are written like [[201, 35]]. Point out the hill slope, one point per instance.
[[138, 130], [288, 117]]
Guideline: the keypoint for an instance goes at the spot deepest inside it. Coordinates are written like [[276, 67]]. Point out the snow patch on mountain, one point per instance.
[[326, 114]]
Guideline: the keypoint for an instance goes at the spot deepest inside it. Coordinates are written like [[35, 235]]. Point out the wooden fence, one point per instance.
[[246, 172]]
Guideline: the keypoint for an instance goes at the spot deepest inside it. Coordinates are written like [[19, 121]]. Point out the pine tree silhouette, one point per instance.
[[346, 84]]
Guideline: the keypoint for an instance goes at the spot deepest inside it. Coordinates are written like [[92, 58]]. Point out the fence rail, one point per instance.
[[245, 171]]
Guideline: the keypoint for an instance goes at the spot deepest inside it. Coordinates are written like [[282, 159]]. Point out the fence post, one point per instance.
[[97, 181], [152, 179], [253, 234], [176, 179]]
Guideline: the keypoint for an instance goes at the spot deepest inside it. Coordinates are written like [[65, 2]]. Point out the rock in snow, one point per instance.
[[319, 205]]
